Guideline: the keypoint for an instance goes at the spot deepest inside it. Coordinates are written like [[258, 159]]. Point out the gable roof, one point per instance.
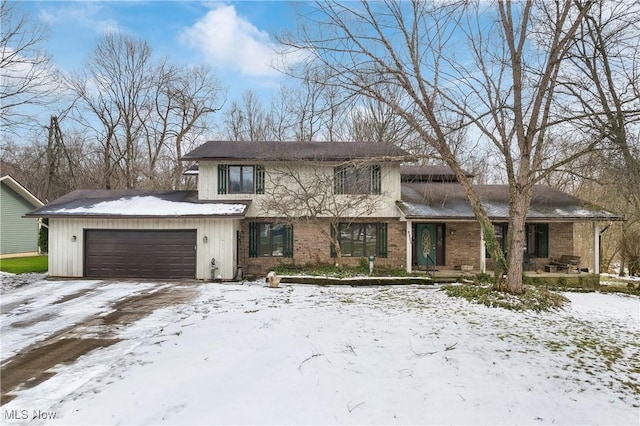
[[21, 190], [278, 151], [448, 201], [141, 204]]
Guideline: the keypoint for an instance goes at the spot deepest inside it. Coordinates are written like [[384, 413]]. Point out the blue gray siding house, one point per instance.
[[18, 235]]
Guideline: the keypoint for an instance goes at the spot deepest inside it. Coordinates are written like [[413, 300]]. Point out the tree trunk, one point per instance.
[[50, 160], [520, 201], [107, 160], [623, 251]]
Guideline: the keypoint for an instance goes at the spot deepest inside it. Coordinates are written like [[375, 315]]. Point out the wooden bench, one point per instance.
[[567, 262]]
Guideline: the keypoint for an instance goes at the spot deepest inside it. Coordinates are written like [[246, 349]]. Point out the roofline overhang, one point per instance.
[[119, 216], [21, 190], [506, 219], [55, 215], [398, 159]]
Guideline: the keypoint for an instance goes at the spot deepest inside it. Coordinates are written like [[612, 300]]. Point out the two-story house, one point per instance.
[[259, 204]]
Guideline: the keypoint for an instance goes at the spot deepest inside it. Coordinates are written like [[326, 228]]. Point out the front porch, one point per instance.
[[457, 247]]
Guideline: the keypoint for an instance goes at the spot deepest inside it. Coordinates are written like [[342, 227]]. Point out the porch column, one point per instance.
[[596, 248], [409, 245], [483, 253]]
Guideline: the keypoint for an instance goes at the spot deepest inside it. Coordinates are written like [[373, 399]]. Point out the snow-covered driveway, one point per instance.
[[247, 354]]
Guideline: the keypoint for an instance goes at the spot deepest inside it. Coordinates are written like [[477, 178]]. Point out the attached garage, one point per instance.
[[140, 234], [113, 253]]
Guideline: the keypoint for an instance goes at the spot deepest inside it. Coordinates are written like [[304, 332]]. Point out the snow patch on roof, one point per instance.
[[152, 206]]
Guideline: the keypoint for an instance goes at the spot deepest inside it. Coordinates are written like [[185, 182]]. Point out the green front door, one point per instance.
[[426, 244]]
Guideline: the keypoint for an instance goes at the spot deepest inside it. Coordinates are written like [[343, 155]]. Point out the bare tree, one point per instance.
[[374, 121], [27, 77], [604, 81], [183, 98], [55, 161], [247, 120], [443, 66], [143, 111], [281, 119]]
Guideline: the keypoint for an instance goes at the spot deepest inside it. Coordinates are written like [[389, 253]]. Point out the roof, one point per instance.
[[21, 190], [140, 204], [192, 170], [449, 201], [429, 173], [278, 151]]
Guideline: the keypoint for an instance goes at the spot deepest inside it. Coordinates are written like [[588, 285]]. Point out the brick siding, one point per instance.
[[311, 246], [463, 246]]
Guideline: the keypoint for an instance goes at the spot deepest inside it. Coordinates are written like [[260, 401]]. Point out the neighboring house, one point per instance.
[[18, 235], [246, 217]]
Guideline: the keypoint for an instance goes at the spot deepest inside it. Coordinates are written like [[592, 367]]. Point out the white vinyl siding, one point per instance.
[[66, 256], [390, 187]]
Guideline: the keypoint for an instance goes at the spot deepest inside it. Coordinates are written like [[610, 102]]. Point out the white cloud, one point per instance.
[[84, 14], [229, 40]]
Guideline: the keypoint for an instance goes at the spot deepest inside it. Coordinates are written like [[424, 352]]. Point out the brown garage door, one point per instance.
[[112, 253]]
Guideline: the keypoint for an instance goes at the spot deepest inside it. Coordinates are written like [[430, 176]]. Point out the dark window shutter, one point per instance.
[[543, 239], [331, 246], [253, 239], [338, 180], [381, 239], [376, 180], [288, 241], [259, 179], [222, 178]]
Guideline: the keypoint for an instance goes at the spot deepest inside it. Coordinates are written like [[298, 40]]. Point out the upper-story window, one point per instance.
[[240, 179], [355, 179]]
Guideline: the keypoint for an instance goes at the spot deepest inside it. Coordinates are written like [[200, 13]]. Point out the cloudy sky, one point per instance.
[[235, 38]]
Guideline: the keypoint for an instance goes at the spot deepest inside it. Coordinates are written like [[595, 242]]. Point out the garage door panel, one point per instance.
[[140, 254]]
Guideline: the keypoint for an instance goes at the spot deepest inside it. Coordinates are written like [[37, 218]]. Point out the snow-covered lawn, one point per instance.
[[248, 354]]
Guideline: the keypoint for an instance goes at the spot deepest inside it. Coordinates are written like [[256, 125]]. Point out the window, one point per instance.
[[241, 179], [536, 239], [234, 179], [357, 180], [501, 235], [362, 239], [270, 240]]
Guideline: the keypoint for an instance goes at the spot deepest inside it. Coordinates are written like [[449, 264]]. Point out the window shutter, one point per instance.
[[332, 247], [543, 239], [376, 180], [288, 241], [253, 239], [259, 179], [222, 178], [381, 239], [338, 180]]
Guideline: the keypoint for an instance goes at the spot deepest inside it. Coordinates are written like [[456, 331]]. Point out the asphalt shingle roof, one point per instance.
[[448, 201], [133, 203], [278, 151]]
